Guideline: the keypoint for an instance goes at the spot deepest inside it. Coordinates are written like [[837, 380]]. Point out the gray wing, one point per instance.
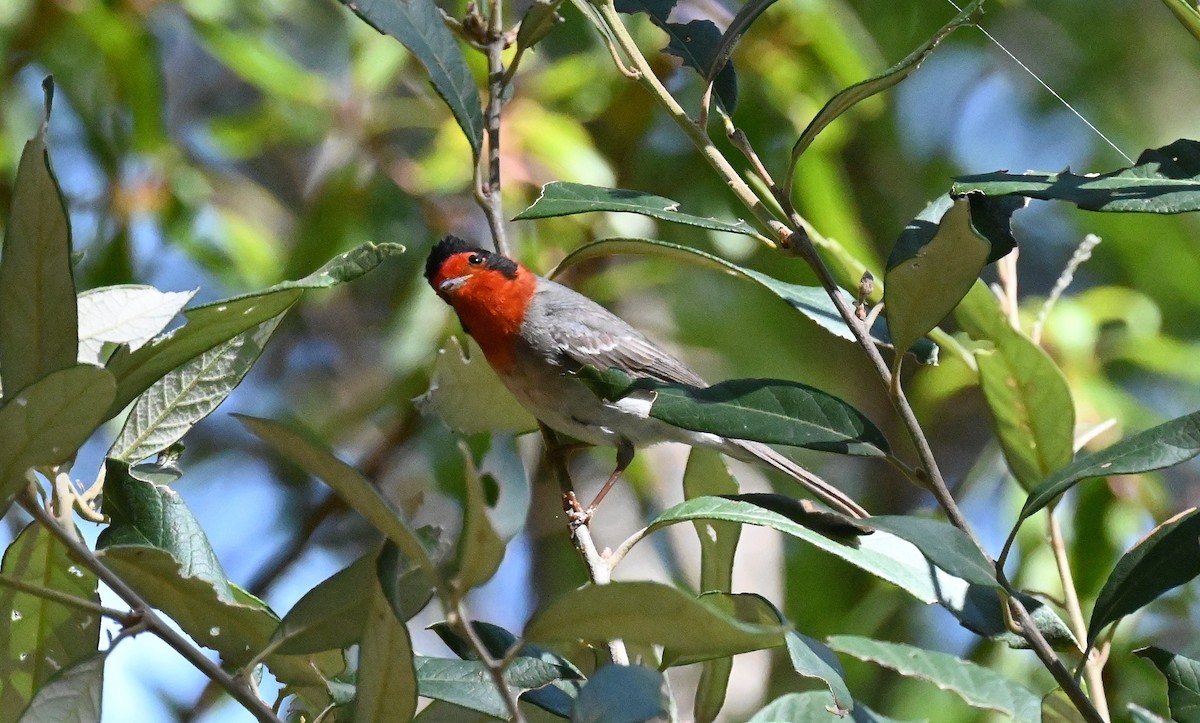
[[587, 334]]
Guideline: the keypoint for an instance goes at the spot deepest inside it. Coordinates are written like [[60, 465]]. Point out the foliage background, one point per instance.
[[227, 146]]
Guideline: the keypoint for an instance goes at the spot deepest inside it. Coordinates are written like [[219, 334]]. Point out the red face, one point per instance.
[[457, 272]]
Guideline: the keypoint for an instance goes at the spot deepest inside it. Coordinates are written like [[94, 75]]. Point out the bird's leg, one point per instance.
[[625, 451]]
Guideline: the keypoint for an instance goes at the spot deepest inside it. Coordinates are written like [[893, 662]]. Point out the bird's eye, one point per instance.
[[475, 259]]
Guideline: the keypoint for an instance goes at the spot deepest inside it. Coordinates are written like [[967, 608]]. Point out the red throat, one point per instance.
[[492, 308]]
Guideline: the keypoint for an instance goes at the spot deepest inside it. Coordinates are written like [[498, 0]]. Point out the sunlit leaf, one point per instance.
[[41, 637], [944, 544], [811, 301], [127, 314], [1163, 180], [980, 687], [813, 707], [418, 25], [1167, 557], [39, 331], [563, 199], [647, 613], [189, 393]]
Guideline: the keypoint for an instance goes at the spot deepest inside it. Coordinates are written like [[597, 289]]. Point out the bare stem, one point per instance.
[[488, 192], [155, 624], [63, 598], [495, 666], [599, 569], [1092, 666]]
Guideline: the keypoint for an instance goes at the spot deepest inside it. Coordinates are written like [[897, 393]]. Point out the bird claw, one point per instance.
[[577, 516]]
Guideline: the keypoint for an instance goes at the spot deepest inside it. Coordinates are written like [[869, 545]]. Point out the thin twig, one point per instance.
[[1092, 670], [488, 192], [460, 621], [155, 624], [599, 569]]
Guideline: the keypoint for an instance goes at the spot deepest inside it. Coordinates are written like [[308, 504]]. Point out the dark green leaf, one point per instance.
[[189, 393], [848, 98], [623, 694], [386, 687], [331, 615], [557, 697], [811, 301], [48, 421], [40, 637], [1163, 446], [539, 20], [774, 411], [979, 686], [563, 199], [1163, 180], [1027, 395], [39, 329], [210, 325], [944, 544], [647, 613], [71, 696], [418, 25], [1183, 682], [1167, 557], [932, 266], [741, 22], [141, 513], [467, 682], [354, 489], [706, 475]]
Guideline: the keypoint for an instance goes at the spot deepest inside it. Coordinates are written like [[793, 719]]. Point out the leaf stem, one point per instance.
[[1092, 666], [462, 623], [148, 617], [487, 192]]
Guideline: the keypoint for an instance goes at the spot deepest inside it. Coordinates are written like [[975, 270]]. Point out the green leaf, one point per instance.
[[706, 474], [47, 422], [502, 468], [440, 711], [541, 18], [469, 684], [40, 637], [1163, 180], [127, 314], [623, 694], [39, 330], [745, 17], [849, 97], [331, 615], [1183, 682], [73, 694], [881, 554], [418, 25], [211, 325], [563, 199], [980, 687], [468, 396], [1163, 446], [1027, 395], [557, 697], [189, 393], [354, 489], [406, 585], [811, 301], [648, 613], [944, 544], [1187, 14], [480, 549], [774, 411], [386, 687], [812, 707], [142, 513], [1167, 557], [932, 266], [813, 659]]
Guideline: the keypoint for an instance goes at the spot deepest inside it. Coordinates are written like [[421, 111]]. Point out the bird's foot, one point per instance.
[[577, 516]]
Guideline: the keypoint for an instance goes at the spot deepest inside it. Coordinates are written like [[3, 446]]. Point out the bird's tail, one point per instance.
[[822, 490]]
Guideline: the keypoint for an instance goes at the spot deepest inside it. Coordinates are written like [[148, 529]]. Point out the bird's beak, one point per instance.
[[451, 284]]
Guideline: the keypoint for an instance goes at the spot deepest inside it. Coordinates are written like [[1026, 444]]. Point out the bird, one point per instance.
[[538, 334]]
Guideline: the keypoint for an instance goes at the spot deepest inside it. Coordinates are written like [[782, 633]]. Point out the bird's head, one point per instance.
[[489, 291]]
